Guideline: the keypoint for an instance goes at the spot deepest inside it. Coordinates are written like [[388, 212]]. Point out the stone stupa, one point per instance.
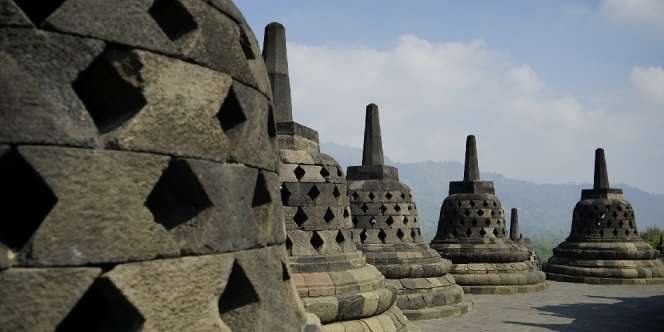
[[330, 273], [604, 246], [386, 229], [138, 164], [472, 234], [517, 237]]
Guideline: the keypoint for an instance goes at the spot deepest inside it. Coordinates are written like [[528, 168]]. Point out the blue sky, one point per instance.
[[543, 82]]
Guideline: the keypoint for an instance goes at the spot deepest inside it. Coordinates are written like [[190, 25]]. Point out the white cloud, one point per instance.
[[649, 82], [432, 95], [641, 13]]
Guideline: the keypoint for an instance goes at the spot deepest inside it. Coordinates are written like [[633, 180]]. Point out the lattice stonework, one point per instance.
[[138, 164]]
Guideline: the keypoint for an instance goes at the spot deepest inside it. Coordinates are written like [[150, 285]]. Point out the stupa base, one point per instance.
[[505, 290], [621, 272], [499, 278], [604, 281], [391, 320], [429, 298]]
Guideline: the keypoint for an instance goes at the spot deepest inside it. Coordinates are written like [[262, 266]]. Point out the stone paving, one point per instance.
[[563, 307]]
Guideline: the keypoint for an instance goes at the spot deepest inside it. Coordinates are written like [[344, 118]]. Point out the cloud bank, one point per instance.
[[639, 13], [432, 94]]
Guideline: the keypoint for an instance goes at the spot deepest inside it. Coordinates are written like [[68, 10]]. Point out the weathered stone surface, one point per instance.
[[39, 299], [187, 28], [12, 15], [233, 291], [89, 228], [5, 254], [38, 103]]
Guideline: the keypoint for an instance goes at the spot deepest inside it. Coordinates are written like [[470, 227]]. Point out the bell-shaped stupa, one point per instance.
[[472, 234], [138, 164], [386, 229], [330, 273], [604, 246]]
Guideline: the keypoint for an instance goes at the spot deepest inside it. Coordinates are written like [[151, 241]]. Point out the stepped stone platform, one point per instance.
[[564, 307]]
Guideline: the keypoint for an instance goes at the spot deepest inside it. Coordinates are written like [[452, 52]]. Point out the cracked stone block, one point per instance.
[[185, 28], [222, 207], [99, 216], [236, 291], [40, 299], [39, 104]]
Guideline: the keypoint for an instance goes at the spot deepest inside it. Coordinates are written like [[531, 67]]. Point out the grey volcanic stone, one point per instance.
[[38, 103], [372, 153], [276, 60], [12, 15], [87, 228], [39, 299]]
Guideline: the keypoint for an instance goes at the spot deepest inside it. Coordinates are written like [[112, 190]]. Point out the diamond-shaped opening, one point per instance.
[[383, 208], [340, 238], [230, 114], [414, 235], [631, 225], [415, 219], [495, 204], [299, 172], [329, 216], [355, 195], [25, 200], [472, 203], [372, 221], [355, 221], [285, 195], [313, 192], [239, 300], [403, 195], [178, 196], [245, 43], [102, 308], [480, 212], [271, 126], [493, 213], [388, 195], [458, 203], [405, 220], [466, 213], [289, 245], [389, 221], [108, 97], [261, 193], [173, 18], [324, 172], [400, 234], [285, 275], [485, 203], [38, 10], [482, 232], [627, 232], [336, 193], [382, 236], [300, 217], [346, 213], [621, 223], [339, 172], [619, 207], [495, 232], [461, 221], [601, 232], [615, 232], [363, 236], [371, 196], [316, 241], [364, 208], [397, 207], [469, 232], [487, 222]]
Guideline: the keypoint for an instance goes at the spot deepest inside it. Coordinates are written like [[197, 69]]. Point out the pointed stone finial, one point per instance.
[[471, 171], [372, 153], [601, 174], [515, 234], [276, 59], [660, 246]]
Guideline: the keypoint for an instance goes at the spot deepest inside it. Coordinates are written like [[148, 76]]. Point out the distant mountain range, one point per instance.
[[545, 210]]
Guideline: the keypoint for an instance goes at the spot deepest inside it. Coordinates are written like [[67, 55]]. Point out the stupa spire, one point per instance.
[[601, 174], [276, 59], [515, 234], [372, 153], [471, 170]]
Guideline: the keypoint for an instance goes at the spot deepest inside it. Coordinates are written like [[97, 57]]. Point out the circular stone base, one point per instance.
[[391, 320], [505, 290], [452, 310], [604, 281]]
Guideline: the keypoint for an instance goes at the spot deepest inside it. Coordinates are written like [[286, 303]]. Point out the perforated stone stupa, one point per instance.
[[386, 229], [604, 246], [472, 233], [138, 164], [330, 274]]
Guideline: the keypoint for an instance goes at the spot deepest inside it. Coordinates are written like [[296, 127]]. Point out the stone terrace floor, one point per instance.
[[563, 307]]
